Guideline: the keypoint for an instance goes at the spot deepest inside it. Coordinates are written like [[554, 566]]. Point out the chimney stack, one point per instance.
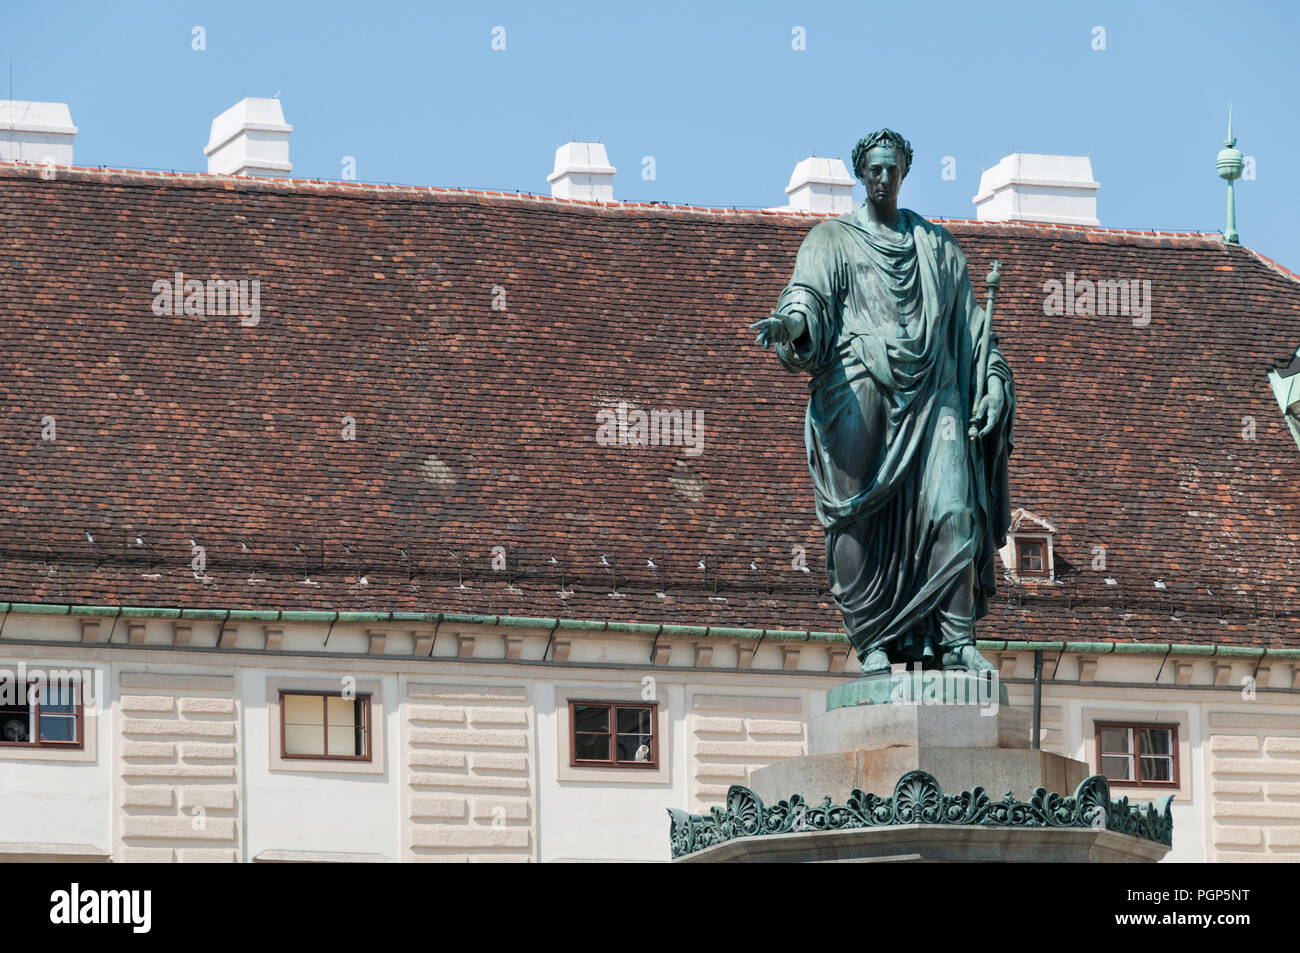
[[1027, 187], [36, 132], [582, 171], [820, 185], [250, 138]]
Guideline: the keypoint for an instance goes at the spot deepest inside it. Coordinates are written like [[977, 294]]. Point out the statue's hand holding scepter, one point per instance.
[[989, 396]]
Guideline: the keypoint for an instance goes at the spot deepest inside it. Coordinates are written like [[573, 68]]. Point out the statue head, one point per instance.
[[880, 161], [882, 139]]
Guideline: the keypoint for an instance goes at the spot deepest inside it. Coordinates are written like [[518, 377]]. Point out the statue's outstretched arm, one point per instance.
[[805, 323]]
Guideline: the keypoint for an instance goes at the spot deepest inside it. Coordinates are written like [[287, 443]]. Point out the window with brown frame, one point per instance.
[[1143, 755], [613, 734], [1031, 556], [324, 726], [46, 716]]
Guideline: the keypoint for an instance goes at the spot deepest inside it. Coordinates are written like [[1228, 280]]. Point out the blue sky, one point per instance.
[[713, 91]]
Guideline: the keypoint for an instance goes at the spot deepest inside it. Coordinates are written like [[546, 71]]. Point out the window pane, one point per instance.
[[342, 712], [633, 747], [1117, 768], [58, 698], [303, 739], [1155, 741], [1157, 769], [15, 726], [58, 727], [634, 720], [303, 710], [1115, 740], [345, 741], [590, 718], [591, 747], [16, 721], [1031, 556]]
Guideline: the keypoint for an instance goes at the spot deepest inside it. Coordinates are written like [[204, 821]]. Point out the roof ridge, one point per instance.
[[1270, 263], [292, 184]]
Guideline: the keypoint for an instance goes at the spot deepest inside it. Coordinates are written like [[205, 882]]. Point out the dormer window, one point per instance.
[[1028, 555], [1031, 555]]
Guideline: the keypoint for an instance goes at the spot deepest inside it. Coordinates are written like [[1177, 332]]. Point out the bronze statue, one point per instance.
[[881, 314]]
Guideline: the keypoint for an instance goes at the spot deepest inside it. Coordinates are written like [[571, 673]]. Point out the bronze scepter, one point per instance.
[[993, 280]]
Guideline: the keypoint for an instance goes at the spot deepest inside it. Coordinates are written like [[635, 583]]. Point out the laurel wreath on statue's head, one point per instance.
[[881, 137]]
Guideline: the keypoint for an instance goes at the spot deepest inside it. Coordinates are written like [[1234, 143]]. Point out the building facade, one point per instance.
[[473, 526], [471, 751]]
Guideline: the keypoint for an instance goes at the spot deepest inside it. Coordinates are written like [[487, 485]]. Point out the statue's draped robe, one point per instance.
[[913, 509]]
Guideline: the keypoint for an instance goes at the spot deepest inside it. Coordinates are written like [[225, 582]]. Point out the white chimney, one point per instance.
[[250, 138], [820, 185], [1026, 187], [36, 132], [582, 171]]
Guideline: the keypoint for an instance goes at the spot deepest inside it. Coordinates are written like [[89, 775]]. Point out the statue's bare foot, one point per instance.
[[966, 657], [876, 663]]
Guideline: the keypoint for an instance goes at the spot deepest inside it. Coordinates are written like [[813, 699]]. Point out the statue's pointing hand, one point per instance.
[[780, 328], [989, 411]]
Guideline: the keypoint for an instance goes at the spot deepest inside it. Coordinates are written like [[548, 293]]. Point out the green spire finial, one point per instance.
[[1230, 164]]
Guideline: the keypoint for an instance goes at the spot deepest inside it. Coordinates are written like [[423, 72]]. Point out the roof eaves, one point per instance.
[[648, 628]]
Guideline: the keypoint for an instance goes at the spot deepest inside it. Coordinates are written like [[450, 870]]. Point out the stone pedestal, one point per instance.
[[869, 747], [948, 780]]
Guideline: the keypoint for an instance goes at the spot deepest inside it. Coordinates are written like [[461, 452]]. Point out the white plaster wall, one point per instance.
[[61, 802], [56, 802], [315, 811], [585, 820], [1189, 816]]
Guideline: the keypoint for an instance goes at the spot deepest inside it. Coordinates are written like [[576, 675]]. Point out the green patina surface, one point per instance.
[[931, 687], [909, 422], [917, 799]]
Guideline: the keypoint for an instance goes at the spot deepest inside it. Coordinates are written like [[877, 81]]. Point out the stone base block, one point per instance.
[[998, 770], [869, 747], [874, 727]]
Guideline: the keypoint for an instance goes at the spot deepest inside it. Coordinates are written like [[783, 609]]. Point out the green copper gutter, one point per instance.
[[1139, 648], [633, 628]]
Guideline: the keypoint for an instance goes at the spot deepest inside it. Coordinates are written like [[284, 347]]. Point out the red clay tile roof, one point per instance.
[[476, 428]]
